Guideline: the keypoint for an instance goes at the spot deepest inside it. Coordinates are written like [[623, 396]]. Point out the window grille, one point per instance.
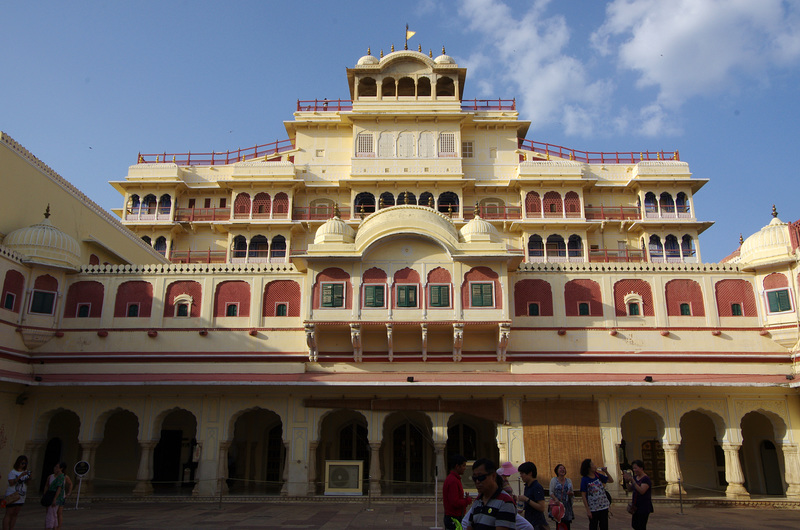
[[364, 145], [447, 144]]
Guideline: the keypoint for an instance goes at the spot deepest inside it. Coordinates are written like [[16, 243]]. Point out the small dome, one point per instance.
[[478, 229], [367, 60], [444, 59], [46, 245], [769, 245], [334, 231]]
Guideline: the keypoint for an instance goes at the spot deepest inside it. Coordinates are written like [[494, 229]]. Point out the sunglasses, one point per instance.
[[480, 478]]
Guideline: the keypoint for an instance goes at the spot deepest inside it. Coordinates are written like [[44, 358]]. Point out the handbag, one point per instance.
[[631, 508], [48, 498], [608, 496], [11, 499]]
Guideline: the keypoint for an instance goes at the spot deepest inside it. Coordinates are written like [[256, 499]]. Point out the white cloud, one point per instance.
[[689, 48]]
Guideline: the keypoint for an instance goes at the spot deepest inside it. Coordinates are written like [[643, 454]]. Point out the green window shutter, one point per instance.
[[338, 295], [779, 301], [412, 296], [482, 295], [327, 295], [379, 296], [488, 298], [369, 296], [406, 296]]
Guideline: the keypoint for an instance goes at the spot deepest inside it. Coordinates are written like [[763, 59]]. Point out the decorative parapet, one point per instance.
[[629, 267], [191, 268], [10, 254]]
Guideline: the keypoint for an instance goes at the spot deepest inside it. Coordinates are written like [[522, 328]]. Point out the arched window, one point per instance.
[[445, 87], [262, 204], [364, 203], [149, 204], [424, 87], [241, 206], [386, 199], [278, 249], [133, 202], [492, 208], [164, 204], [280, 208], [427, 145], [161, 245], [405, 145], [406, 197], [388, 87], [147, 240], [426, 199], [552, 204], [448, 203], [556, 247], [667, 205], [259, 249], [687, 246], [533, 204], [575, 246], [365, 146], [367, 87], [656, 249], [536, 247], [386, 145], [405, 87], [682, 205], [650, 204], [239, 247], [572, 204], [671, 249]]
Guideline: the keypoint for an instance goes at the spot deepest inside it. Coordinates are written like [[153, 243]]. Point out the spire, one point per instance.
[[741, 240], [47, 212], [774, 211], [369, 51], [392, 48], [419, 48], [443, 53]]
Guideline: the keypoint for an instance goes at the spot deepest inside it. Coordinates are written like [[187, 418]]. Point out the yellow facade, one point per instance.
[[405, 277]]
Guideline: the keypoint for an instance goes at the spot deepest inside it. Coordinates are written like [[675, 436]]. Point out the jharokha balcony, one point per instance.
[[190, 215]]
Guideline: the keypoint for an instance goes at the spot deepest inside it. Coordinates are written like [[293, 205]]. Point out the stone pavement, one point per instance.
[[328, 514]]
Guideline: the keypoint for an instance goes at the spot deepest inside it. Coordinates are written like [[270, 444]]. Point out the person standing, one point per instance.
[[533, 496], [453, 496], [493, 508], [15, 493], [561, 491], [594, 495], [642, 488], [62, 486]]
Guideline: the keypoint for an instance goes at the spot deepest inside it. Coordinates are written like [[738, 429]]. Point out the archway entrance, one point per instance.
[[62, 443], [117, 458], [173, 468], [700, 452], [761, 455], [256, 455], [641, 440], [408, 454], [343, 436]]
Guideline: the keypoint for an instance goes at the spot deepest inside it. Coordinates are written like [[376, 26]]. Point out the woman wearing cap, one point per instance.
[[505, 471], [593, 493], [561, 492]]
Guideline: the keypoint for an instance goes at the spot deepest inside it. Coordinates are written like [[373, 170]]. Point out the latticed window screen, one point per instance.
[[332, 295], [386, 145], [405, 145], [406, 296], [364, 145], [373, 295], [481, 295], [779, 301], [440, 295], [467, 150], [427, 144], [447, 144]]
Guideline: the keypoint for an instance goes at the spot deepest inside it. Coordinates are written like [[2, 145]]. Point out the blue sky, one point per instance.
[[87, 85]]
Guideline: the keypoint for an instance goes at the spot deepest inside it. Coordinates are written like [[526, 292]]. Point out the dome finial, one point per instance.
[[336, 213], [774, 211], [381, 54], [47, 212], [430, 54], [392, 48], [443, 52], [741, 239], [419, 48], [369, 51]]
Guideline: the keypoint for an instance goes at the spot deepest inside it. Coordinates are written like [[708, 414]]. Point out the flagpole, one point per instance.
[[406, 46]]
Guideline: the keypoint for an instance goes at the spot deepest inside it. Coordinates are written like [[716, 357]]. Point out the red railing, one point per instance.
[[489, 104], [324, 105], [613, 212], [615, 255], [317, 213], [198, 256], [213, 158], [202, 214], [592, 157], [494, 212]]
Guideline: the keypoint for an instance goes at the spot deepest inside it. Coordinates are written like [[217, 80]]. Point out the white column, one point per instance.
[[672, 469], [312, 468], [791, 459], [222, 468], [733, 472], [143, 477], [375, 469]]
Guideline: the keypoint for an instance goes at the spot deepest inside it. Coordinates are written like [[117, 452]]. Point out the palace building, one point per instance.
[[405, 276]]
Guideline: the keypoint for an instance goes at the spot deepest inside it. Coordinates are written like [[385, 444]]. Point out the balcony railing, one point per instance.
[[612, 212], [596, 157], [494, 212], [667, 212], [198, 256], [488, 104], [144, 213], [261, 215], [616, 255], [213, 158], [317, 213], [202, 214], [258, 256], [324, 105]]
